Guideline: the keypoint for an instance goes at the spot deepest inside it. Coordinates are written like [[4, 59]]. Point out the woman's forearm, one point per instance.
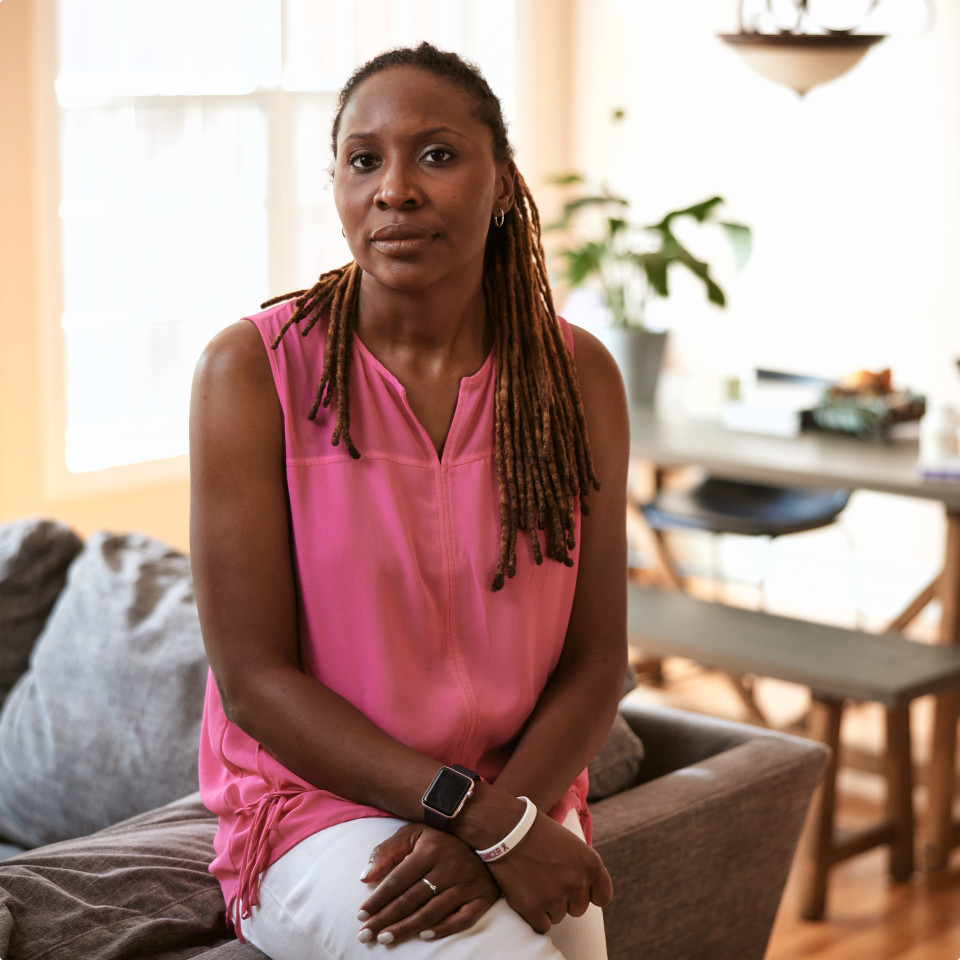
[[566, 729], [330, 743]]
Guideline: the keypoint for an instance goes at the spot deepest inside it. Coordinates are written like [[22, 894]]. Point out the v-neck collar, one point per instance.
[[467, 385]]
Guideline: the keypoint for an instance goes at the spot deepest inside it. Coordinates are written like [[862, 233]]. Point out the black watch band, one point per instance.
[[447, 794]]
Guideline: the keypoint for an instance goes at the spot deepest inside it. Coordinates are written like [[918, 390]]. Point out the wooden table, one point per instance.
[[831, 460]]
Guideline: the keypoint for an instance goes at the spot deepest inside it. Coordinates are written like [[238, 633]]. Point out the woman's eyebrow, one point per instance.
[[419, 135]]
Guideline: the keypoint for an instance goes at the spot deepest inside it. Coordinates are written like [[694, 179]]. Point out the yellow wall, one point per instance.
[[25, 490]]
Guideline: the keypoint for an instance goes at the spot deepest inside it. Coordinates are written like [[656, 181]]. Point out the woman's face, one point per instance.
[[415, 181]]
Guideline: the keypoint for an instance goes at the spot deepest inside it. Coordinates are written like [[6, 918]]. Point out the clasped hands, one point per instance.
[[552, 873]]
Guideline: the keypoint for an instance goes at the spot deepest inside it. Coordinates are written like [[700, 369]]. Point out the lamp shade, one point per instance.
[[798, 60]]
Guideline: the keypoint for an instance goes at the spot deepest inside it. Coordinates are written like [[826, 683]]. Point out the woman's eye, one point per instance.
[[363, 161], [438, 155]]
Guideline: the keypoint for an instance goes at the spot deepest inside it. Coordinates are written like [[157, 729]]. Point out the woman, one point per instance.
[[416, 641]]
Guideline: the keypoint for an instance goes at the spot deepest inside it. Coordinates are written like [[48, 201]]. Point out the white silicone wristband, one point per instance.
[[502, 848]]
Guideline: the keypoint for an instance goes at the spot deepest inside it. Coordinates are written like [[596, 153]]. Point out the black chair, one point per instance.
[[719, 506], [747, 509]]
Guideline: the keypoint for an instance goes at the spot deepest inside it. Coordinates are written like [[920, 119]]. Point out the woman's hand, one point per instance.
[[404, 906], [550, 874]]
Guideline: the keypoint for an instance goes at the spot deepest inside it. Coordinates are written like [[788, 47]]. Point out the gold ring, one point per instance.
[[433, 889]]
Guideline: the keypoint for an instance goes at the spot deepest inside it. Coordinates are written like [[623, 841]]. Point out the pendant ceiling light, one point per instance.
[[802, 53]]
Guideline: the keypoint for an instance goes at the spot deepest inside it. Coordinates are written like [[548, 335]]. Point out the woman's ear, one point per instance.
[[506, 182]]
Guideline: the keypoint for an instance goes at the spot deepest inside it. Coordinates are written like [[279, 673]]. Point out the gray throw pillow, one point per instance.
[[34, 557], [140, 888], [617, 763], [105, 723]]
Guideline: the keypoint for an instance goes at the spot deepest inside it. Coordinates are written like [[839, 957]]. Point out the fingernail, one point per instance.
[[363, 916], [366, 872], [385, 937], [365, 934], [427, 934]]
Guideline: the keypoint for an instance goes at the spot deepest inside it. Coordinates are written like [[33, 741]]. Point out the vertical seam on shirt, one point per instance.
[[452, 639]]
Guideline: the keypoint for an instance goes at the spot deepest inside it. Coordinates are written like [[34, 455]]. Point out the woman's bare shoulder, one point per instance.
[[237, 350], [233, 393], [601, 382]]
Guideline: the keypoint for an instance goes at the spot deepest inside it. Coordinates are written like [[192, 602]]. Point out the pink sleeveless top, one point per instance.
[[394, 557]]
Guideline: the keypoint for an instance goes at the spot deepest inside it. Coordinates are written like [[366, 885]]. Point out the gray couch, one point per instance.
[[106, 843]]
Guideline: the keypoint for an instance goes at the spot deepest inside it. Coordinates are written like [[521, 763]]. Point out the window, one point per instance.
[[194, 182]]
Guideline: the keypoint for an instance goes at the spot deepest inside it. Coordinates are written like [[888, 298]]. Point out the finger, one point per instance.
[[532, 910], [578, 907], [406, 916], [541, 923], [458, 921], [386, 855], [601, 893], [402, 881], [536, 920], [405, 903]]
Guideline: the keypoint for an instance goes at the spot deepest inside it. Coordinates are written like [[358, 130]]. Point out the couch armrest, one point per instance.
[[699, 854], [678, 738]]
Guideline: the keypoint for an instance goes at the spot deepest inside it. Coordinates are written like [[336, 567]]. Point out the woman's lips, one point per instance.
[[401, 238]]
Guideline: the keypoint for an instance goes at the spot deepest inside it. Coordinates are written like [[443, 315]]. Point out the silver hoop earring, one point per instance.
[[498, 221]]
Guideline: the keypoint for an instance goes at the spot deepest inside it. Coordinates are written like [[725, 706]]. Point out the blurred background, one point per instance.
[[165, 167]]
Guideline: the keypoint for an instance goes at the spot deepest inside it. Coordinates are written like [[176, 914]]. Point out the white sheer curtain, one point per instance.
[[194, 149]]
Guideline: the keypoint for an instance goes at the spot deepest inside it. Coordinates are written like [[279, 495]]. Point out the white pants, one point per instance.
[[310, 897]]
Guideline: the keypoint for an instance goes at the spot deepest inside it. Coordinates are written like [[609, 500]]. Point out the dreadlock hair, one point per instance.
[[542, 451]]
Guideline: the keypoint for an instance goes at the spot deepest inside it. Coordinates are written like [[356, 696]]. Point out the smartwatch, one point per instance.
[[451, 788]]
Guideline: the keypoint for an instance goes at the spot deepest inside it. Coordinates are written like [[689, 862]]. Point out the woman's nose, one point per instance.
[[398, 188]]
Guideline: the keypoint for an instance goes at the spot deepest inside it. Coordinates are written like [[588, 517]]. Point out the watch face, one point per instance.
[[447, 792]]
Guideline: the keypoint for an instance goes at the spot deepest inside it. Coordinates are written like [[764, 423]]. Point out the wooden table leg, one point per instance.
[[938, 817], [941, 774], [899, 766], [646, 478], [916, 606], [816, 844], [653, 544]]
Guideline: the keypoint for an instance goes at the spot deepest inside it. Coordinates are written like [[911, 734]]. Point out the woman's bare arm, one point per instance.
[[243, 569]]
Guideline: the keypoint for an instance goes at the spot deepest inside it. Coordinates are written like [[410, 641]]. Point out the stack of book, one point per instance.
[[773, 402]]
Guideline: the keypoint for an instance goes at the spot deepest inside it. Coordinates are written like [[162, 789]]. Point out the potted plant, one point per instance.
[[629, 265]]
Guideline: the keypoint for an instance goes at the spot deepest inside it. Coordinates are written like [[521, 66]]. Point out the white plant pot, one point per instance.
[[639, 355]]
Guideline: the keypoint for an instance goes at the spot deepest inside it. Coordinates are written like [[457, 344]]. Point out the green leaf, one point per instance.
[[615, 299], [655, 267], [699, 211], [565, 179], [741, 239], [584, 262], [701, 270], [714, 293], [572, 206], [615, 225]]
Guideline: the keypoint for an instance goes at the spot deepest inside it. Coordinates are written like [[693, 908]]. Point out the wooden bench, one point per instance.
[[837, 665]]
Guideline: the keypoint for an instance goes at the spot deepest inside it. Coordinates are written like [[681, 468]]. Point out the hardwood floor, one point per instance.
[[868, 917]]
